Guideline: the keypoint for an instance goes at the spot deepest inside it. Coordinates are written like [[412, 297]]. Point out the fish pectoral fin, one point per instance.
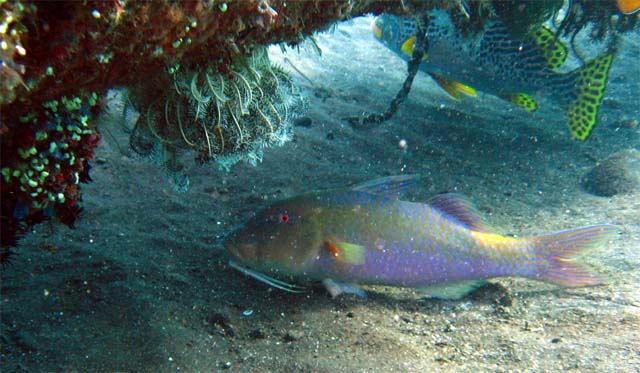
[[452, 87], [336, 288], [345, 252], [453, 291], [554, 51], [522, 100], [408, 45]]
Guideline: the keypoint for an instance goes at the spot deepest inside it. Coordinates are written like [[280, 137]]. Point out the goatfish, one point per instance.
[[493, 62], [368, 235]]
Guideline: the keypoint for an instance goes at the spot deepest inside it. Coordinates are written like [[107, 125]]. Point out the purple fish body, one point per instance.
[[366, 235]]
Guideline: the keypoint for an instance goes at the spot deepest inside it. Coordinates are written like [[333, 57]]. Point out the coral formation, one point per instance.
[[44, 161], [219, 117]]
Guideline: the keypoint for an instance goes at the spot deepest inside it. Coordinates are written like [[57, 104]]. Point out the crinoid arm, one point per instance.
[[219, 117]]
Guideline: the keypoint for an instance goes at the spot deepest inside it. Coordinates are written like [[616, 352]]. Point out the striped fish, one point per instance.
[[367, 235], [492, 61]]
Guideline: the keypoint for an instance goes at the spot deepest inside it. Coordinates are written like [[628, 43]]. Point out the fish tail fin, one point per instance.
[[556, 255], [590, 82]]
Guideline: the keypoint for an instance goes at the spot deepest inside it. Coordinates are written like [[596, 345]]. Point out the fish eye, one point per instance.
[[283, 218]]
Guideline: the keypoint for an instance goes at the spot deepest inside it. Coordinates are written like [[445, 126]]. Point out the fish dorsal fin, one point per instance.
[[452, 87], [554, 51], [522, 100], [461, 209], [390, 187]]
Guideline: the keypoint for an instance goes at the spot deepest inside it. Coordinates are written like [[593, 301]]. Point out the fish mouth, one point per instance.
[[243, 252], [377, 31]]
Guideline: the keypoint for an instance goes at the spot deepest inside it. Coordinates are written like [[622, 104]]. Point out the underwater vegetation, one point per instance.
[[221, 117]]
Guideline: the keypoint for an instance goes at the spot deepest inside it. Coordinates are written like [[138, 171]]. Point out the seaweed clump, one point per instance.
[[221, 117]]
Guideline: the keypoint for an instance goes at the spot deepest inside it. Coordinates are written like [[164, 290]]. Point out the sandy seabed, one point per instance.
[[142, 284]]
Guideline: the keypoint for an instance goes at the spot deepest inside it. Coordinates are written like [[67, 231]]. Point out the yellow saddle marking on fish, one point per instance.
[[522, 100], [583, 111], [555, 52], [408, 45], [492, 239], [347, 252], [452, 87]]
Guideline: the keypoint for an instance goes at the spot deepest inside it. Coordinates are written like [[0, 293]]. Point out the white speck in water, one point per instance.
[[402, 144], [247, 312]]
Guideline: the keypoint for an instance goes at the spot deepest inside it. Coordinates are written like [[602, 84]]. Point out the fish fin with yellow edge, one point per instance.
[[591, 78], [454, 291], [452, 87], [461, 209], [347, 253], [522, 100], [408, 45], [554, 51], [554, 258], [463, 88], [335, 288], [391, 187]]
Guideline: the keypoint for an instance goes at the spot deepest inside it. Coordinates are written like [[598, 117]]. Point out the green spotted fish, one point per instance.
[[367, 235], [492, 61]]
